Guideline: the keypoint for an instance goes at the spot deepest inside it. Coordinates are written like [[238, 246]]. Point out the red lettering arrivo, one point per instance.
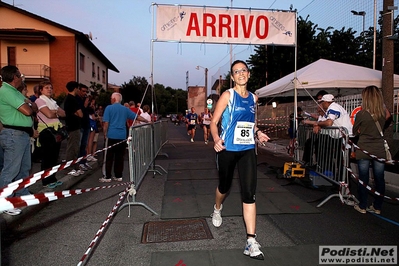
[[227, 26], [193, 25], [209, 22]]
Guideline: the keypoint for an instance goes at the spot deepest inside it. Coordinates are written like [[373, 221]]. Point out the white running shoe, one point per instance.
[[217, 216], [74, 173], [13, 212], [104, 180], [80, 172], [91, 158], [119, 179], [192, 140], [252, 249], [82, 167]]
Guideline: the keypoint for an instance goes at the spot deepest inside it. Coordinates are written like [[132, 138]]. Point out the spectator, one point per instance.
[[368, 125], [36, 155], [335, 116], [136, 110], [23, 89], [145, 114], [291, 129], [1, 150], [115, 117], [48, 116], [85, 125], [94, 132], [35, 94], [73, 120], [309, 145], [139, 108], [15, 115]]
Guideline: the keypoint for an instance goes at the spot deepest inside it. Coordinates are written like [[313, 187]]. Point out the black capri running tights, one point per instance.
[[246, 162]]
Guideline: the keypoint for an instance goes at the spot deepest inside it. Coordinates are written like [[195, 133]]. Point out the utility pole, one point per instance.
[[388, 62]]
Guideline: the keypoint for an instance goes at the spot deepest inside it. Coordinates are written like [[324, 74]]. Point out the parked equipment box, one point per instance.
[[293, 170]]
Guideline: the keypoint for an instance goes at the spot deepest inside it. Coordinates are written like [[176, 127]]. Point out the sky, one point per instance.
[[121, 30]]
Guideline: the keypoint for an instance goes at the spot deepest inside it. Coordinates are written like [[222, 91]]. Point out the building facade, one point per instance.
[[45, 50]]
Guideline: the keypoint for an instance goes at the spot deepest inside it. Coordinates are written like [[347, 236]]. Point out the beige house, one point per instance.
[[45, 50]]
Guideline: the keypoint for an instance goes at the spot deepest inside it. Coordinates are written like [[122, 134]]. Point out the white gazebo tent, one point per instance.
[[334, 77]]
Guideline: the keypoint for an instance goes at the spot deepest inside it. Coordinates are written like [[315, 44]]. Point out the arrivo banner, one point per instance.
[[225, 25]]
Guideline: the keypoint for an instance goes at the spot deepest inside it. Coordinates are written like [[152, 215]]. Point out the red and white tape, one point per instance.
[[368, 187], [103, 226], [31, 200], [32, 179]]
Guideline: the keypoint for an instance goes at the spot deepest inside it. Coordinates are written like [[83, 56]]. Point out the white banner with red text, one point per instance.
[[225, 25]]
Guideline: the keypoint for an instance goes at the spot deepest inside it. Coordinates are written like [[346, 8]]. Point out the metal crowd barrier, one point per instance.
[[325, 154], [144, 145]]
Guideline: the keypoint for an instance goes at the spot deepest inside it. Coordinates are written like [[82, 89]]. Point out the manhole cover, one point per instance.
[[176, 230]]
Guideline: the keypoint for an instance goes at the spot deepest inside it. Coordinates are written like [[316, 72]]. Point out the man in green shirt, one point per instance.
[[15, 115]]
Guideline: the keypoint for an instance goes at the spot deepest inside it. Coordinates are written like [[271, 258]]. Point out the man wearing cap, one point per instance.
[[335, 116]]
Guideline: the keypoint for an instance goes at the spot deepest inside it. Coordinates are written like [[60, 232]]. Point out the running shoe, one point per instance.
[[217, 216], [13, 212], [80, 172], [91, 158], [192, 140], [51, 185], [74, 173], [83, 167], [252, 249], [356, 207], [372, 209], [104, 180], [119, 179]]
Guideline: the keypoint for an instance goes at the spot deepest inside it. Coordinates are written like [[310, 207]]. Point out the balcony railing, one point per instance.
[[34, 71]]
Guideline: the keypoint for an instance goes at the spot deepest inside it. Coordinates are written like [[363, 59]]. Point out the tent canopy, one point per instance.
[[337, 78]]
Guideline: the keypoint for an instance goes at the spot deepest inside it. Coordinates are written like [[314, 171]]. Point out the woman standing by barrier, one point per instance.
[[48, 115], [370, 139], [236, 109]]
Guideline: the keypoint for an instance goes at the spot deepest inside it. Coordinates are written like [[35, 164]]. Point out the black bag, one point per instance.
[[50, 135]]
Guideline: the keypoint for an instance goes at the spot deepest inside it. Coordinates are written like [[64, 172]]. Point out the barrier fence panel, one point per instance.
[[326, 154], [144, 143]]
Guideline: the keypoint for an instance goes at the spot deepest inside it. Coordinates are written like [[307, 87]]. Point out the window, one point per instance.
[[82, 62], [104, 76], [98, 73], [93, 70]]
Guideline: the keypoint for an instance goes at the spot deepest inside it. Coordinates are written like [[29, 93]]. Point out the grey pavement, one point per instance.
[[60, 232]]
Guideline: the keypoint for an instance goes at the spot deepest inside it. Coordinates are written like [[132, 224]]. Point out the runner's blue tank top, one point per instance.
[[237, 135]]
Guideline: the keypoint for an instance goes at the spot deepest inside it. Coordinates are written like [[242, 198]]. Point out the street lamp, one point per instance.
[[206, 81], [360, 13], [363, 14]]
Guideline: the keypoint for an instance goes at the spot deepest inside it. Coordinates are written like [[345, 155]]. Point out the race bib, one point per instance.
[[244, 133], [192, 122]]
